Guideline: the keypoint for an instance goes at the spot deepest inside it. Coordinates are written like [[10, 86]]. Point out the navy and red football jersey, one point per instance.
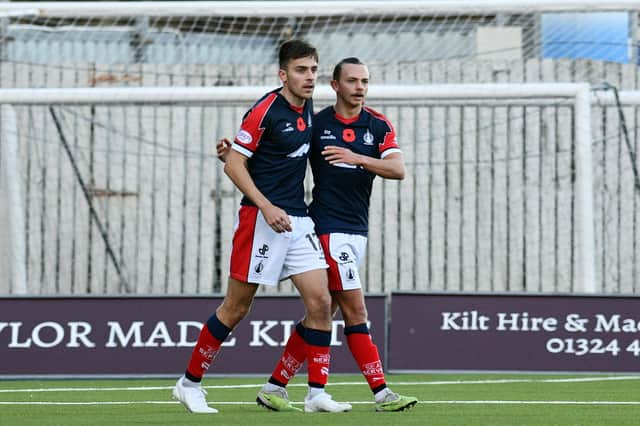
[[276, 137], [341, 192]]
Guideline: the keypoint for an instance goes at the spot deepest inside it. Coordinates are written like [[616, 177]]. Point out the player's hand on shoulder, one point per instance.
[[222, 149], [276, 218]]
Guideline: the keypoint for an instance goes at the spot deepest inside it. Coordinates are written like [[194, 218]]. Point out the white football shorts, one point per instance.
[[344, 253], [260, 255]]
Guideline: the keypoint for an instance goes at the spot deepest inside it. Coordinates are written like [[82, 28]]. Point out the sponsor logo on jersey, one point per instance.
[[327, 135], [288, 127], [348, 135], [368, 138], [244, 137], [301, 124], [300, 152], [346, 166], [324, 371], [344, 256], [263, 250]]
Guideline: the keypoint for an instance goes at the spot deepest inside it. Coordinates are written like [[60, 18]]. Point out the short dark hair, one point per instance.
[[295, 49], [338, 69]]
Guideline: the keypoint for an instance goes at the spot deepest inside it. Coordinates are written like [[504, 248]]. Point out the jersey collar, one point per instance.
[[345, 120]]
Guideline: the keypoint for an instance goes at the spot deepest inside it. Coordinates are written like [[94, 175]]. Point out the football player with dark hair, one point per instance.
[[273, 236]]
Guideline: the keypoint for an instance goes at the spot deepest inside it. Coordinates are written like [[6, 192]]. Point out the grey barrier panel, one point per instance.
[[514, 333], [152, 336]]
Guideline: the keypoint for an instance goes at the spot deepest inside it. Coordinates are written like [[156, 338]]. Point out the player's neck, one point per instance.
[[347, 111], [294, 100]]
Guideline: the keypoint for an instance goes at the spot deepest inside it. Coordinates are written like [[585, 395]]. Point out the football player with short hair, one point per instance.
[[273, 237]]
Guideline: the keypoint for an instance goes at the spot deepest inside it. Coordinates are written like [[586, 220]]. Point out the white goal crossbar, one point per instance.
[[235, 94]]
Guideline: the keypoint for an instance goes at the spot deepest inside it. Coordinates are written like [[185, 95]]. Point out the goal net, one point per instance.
[[410, 40]]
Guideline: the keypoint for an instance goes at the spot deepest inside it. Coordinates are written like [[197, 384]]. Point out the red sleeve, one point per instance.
[[389, 141], [253, 126]]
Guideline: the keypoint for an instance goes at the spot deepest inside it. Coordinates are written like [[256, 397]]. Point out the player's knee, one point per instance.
[[324, 302], [242, 311], [353, 315], [233, 311], [319, 306]]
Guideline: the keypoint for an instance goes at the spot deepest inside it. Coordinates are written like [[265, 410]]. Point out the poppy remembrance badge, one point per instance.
[[348, 135], [301, 124]]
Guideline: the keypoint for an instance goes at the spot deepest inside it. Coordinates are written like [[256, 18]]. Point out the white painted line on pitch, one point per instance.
[[360, 383], [448, 402]]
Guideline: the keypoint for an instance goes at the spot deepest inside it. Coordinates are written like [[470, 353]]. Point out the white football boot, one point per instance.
[[192, 397], [322, 402]]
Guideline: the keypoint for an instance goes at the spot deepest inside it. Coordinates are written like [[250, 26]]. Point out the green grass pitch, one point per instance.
[[445, 399]]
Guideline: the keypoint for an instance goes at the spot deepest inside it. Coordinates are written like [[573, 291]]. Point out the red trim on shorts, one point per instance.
[[335, 282], [243, 243]]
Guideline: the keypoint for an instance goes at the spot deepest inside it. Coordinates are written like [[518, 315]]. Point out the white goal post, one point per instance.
[[576, 95]]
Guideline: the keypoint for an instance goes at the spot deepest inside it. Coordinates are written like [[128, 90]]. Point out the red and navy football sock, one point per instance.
[[212, 335], [365, 352], [318, 356], [294, 355]]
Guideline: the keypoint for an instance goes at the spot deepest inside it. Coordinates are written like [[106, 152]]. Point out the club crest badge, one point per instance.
[[368, 138]]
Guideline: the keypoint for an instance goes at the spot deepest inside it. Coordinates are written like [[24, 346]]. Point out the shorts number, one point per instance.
[[312, 239]]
